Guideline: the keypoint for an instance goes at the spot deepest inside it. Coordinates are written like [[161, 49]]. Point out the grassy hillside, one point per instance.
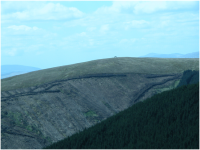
[[110, 65], [166, 120]]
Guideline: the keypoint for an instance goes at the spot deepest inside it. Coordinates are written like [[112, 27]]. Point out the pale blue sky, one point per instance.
[[50, 34]]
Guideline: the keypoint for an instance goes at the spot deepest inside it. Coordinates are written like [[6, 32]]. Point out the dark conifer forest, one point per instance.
[[169, 120], [189, 77]]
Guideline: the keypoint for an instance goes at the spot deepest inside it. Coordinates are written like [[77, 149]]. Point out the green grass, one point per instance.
[[90, 113], [110, 65], [159, 90]]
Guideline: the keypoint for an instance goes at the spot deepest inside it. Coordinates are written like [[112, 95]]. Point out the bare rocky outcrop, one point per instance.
[[34, 117]]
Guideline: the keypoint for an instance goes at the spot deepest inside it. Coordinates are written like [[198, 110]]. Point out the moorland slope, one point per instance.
[[169, 120], [45, 106]]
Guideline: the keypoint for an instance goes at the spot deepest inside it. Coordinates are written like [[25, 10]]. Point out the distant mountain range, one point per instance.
[[174, 55], [12, 70]]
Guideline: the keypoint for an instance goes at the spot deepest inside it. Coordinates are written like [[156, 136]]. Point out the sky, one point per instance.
[[48, 34]]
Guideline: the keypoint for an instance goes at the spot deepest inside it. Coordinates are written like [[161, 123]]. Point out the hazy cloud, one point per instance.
[[91, 29], [22, 27], [104, 28], [48, 11], [136, 24], [128, 41], [82, 34], [147, 7], [11, 52]]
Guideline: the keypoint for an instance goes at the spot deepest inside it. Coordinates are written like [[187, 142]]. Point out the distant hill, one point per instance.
[[169, 120], [174, 55], [12, 70]]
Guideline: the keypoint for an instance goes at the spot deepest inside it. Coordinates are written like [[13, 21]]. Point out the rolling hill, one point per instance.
[[45, 106]]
